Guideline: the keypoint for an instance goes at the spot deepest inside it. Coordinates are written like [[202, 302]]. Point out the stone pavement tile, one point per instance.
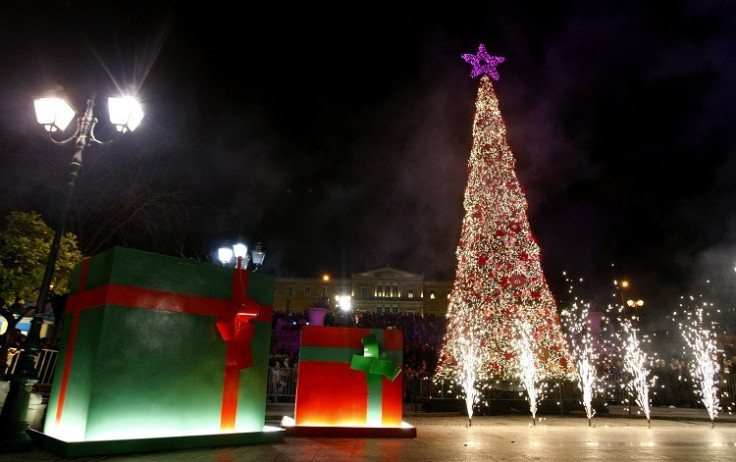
[[489, 438]]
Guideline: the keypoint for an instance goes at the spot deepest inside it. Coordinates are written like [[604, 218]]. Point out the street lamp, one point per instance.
[[55, 114], [240, 252], [344, 302], [635, 304]]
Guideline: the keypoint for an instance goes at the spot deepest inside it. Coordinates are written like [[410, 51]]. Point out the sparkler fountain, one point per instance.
[[702, 342], [584, 354], [528, 372], [636, 364], [467, 375]]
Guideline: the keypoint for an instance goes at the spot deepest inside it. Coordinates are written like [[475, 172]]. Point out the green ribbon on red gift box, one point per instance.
[[374, 367]]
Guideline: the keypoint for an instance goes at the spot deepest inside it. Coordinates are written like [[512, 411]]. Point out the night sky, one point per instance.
[[339, 137]]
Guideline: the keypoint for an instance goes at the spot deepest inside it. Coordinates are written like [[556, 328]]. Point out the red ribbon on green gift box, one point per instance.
[[374, 367], [233, 323], [236, 328]]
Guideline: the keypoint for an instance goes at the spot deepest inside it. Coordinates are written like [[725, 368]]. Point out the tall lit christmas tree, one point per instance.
[[499, 279]]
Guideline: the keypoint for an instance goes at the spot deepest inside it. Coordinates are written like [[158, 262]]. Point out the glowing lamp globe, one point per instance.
[[240, 250], [54, 114], [125, 113], [258, 255], [344, 302], [224, 254]]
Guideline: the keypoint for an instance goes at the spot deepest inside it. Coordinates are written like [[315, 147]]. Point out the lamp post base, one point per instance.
[[14, 417]]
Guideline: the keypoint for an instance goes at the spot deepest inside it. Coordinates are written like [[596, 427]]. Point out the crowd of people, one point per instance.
[[423, 335]]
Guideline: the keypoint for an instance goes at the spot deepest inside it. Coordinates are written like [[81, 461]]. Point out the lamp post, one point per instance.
[[242, 258], [55, 114], [621, 286]]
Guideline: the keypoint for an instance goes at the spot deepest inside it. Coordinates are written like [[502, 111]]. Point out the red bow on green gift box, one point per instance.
[[374, 367], [235, 325]]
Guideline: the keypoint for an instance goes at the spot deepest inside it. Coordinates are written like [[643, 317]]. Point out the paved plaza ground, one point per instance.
[[679, 434]]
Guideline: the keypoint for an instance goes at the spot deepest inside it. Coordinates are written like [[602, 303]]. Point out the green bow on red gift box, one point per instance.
[[371, 362]]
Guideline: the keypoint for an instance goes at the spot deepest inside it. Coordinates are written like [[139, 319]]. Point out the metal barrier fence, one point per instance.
[[45, 364], [419, 388], [667, 391], [564, 395], [281, 384], [567, 394]]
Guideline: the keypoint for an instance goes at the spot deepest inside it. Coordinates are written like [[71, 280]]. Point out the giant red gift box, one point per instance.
[[336, 386]]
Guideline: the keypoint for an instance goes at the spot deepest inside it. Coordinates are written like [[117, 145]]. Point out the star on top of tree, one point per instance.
[[483, 63]]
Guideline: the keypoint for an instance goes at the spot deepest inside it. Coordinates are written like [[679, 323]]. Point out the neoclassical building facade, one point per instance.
[[382, 290]]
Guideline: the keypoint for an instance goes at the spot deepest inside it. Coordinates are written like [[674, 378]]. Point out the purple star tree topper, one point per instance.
[[483, 63]]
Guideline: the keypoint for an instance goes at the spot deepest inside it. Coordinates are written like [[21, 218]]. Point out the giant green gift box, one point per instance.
[[158, 346]]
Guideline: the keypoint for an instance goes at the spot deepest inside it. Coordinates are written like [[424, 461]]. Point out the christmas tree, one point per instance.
[[499, 282]]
